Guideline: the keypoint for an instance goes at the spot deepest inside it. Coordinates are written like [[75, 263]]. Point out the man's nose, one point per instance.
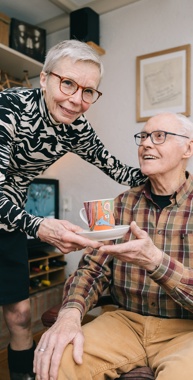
[[147, 142]]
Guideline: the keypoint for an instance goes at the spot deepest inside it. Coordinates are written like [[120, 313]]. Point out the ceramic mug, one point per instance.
[[98, 214]]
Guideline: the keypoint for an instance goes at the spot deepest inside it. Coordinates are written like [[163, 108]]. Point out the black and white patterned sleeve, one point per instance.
[[12, 214], [13, 217]]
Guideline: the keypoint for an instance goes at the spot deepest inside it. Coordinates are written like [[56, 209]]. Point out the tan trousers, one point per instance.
[[118, 341]]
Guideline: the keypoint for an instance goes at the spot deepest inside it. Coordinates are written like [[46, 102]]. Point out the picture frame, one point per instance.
[[163, 82], [28, 39], [43, 198], [42, 201]]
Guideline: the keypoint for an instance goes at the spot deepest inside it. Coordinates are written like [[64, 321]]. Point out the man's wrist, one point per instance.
[[156, 265], [152, 271], [69, 311]]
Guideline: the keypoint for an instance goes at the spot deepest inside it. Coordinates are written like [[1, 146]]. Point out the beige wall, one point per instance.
[[140, 28]]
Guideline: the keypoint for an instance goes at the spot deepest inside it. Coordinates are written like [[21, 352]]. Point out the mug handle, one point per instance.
[[81, 213]]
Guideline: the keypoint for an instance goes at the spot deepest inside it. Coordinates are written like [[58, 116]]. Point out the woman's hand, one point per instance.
[[63, 235], [67, 329]]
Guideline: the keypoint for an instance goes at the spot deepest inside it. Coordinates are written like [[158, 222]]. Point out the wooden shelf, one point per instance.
[[15, 64], [55, 275]]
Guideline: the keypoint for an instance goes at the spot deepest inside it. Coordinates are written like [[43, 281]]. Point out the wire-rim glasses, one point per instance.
[[157, 137], [70, 87]]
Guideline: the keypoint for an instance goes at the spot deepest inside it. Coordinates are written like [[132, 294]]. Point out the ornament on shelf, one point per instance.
[[7, 81]]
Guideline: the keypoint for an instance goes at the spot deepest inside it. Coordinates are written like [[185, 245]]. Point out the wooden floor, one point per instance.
[[4, 372]]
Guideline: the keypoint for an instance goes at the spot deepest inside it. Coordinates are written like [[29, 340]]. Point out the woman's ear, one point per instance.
[[43, 78]]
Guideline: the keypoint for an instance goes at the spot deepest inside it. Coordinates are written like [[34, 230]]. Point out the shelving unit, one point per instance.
[[52, 275], [16, 64]]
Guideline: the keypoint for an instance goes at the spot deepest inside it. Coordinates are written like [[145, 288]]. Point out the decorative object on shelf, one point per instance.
[[163, 82], [40, 268], [99, 49], [28, 39], [57, 263], [16, 64], [46, 282], [7, 81], [46, 270], [4, 29], [84, 26], [35, 283]]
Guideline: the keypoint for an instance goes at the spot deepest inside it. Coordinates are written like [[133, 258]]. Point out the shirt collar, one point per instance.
[[179, 195], [44, 111]]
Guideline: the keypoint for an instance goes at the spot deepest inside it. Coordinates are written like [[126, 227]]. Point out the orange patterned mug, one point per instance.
[[99, 214]]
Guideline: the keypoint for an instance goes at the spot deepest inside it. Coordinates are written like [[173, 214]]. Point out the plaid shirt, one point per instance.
[[168, 291]]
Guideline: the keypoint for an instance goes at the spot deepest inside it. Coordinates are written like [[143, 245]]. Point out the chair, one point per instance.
[[140, 373]]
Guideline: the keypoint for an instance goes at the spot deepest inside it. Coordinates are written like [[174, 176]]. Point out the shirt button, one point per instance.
[[159, 232]]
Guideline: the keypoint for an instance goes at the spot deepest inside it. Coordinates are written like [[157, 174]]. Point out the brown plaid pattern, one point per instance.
[[165, 293]]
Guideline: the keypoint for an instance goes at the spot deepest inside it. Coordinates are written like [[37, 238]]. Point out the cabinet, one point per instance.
[[16, 64], [47, 270]]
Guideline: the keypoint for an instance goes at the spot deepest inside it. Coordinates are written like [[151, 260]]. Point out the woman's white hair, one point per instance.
[[75, 50]]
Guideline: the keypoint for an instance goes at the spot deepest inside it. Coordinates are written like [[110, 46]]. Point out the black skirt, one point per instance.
[[14, 271]]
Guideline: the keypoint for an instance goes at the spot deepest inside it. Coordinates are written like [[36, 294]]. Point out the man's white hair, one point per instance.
[[186, 125]]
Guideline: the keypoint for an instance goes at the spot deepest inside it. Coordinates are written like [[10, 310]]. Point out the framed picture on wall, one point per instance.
[[43, 198], [43, 201], [163, 82], [28, 39]]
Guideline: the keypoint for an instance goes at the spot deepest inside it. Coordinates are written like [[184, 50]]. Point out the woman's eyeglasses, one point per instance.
[[70, 87]]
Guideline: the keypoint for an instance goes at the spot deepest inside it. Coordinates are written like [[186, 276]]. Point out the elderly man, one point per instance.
[[149, 273]]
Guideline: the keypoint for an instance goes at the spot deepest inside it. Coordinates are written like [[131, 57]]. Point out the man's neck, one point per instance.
[[162, 186]]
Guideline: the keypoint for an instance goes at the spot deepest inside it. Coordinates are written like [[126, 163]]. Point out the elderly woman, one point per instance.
[[37, 127]]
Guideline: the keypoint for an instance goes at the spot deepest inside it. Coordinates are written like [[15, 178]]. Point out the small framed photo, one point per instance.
[[163, 82], [43, 198], [28, 39]]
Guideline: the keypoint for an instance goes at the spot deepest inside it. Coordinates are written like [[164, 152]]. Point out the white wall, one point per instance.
[[140, 28]]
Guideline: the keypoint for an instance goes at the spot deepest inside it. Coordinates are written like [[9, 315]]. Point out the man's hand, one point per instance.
[[141, 251], [66, 330], [63, 235]]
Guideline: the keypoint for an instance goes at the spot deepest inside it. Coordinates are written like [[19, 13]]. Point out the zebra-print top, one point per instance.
[[30, 141]]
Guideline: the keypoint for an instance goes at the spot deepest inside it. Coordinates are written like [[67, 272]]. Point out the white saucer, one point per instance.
[[115, 233]]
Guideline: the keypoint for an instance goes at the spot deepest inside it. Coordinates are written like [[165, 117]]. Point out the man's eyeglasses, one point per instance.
[[157, 137], [70, 87]]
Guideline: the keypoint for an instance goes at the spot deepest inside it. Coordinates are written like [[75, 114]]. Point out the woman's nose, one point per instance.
[[77, 96]]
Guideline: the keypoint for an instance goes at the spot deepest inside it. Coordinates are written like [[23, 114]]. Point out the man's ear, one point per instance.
[[189, 151], [43, 80]]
